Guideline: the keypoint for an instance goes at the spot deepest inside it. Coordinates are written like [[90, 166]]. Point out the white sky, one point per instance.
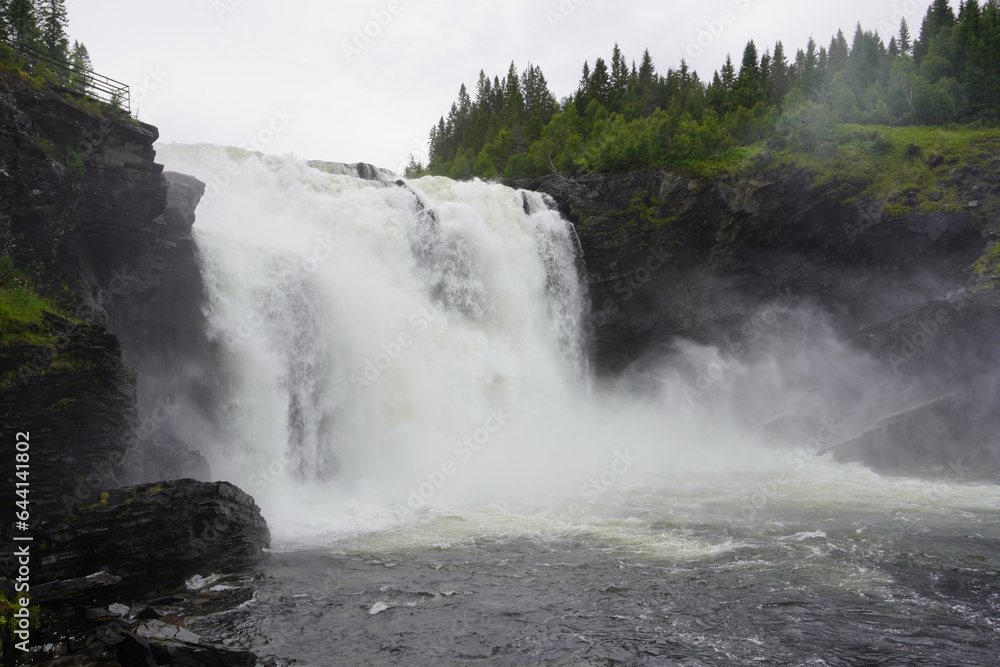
[[218, 71]]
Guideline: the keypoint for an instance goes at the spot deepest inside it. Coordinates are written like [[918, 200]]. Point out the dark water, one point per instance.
[[863, 571]]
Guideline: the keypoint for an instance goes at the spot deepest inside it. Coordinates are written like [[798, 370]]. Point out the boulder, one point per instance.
[[154, 537]]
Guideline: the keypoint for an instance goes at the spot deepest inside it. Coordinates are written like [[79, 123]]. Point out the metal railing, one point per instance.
[[82, 81]]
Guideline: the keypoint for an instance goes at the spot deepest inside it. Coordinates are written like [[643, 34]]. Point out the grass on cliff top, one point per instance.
[[871, 162], [732, 160], [13, 63], [890, 164]]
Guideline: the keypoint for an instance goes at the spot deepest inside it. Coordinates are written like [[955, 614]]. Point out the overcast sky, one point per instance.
[[303, 77]]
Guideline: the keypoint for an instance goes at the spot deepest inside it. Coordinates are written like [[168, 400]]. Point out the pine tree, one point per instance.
[[600, 83], [582, 97], [687, 86], [52, 23], [484, 93], [497, 105], [22, 23], [865, 65], [747, 87], [939, 17], [539, 103], [779, 75], [986, 91], [414, 168], [970, 20], [765, 72], [645, 81], [750, 68], [79, 59], [838, 53], [904, 38], [716, 94], [977, 69], [619, 77], [646, 71], [463, 118], [811, 65], [728, 74], [513, 101]]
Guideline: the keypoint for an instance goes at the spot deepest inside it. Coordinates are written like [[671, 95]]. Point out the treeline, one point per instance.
[[41, 25], [627, 116]]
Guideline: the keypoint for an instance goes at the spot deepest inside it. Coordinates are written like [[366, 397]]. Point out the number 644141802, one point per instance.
[[22, 458]]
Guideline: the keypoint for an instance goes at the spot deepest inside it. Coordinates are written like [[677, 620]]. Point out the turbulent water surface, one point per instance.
[[407, 397]]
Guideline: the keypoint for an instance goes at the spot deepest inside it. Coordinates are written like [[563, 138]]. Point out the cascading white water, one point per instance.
[[368, 331], [380, 339]]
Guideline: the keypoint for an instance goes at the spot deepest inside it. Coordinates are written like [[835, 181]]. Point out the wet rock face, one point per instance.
[[155, 309], [76, 404], [90, 569], [77, 190], [670, 258], [154, 537], [84, 204], [77, 194]]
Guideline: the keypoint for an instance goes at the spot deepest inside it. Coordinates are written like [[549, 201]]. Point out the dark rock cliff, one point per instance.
[[101, 231], [670, 256], [77, 192], [80, 420], [136, 542], [672, 259], [78, 189], [83, 203], [156, 311]]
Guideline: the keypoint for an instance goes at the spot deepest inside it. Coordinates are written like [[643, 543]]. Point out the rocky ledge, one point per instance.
[[107, 575]]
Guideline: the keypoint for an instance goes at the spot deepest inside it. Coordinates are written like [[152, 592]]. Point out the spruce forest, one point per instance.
[[625, 116]]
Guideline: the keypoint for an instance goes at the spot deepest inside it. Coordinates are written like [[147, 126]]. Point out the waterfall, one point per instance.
[[365, 328], [388, 350]]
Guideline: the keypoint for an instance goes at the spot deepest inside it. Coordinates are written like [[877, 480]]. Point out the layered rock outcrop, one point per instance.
[[155, 536], [141, 543], [673, 258]]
